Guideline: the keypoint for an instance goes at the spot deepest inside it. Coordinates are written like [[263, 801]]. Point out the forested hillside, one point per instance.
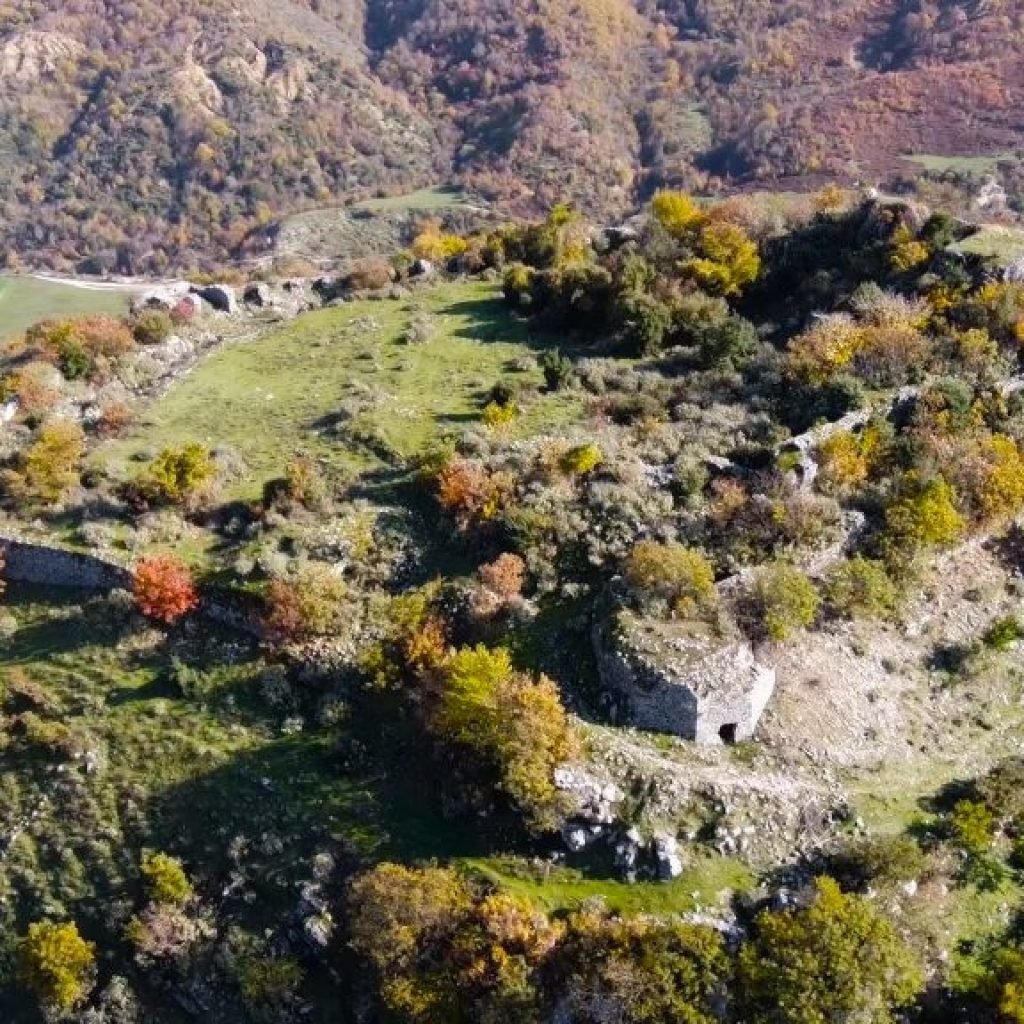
[[143, 136]]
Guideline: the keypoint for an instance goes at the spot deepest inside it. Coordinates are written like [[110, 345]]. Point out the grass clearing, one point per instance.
[[440, 197], [994, 241], [343, 385], [26, 300], [558, 889], [143, 765], [975, 165]]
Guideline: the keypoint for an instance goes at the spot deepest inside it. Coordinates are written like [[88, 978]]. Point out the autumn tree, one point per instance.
[[468, 492], [825, 350], [721, 258], [921, 513], [641, 970], [1001, 492], [837, 959], [679, 214], [436, 245], [515, 724], [444, 954], [163, 588], [307, 604], [501, 583], [56, 964], [401, 919], [50, 467], [846, 460], [726, 260]]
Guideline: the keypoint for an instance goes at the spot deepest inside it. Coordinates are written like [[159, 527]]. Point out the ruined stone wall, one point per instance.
[[739, 712], [50, 565], [53, 566], [651, 702]]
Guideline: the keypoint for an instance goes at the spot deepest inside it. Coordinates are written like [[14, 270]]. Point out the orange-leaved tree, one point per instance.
[[163, 588]]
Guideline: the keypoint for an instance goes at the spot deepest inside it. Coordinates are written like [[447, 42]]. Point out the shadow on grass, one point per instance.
[[490, 320], [304, 793], [83, 619]]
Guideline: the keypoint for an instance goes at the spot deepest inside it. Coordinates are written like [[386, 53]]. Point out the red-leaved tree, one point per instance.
[[163, 588]]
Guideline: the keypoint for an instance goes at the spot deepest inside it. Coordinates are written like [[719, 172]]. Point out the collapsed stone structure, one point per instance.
[[689, 678]]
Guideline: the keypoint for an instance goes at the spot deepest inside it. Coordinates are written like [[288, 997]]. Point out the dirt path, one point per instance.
[[123, 285]]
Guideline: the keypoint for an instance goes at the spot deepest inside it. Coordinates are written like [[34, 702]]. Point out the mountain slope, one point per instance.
[[145, 136]]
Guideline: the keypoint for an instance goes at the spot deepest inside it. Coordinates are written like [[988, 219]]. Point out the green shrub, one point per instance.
[[165, 878], [557, 368], [267, 983], [726, 343], [838, 959], [74, 362], [785, 601], [505, 392], [1002, 788], [1004, 633], [861, 589], [883, 860], [972, 827], [152, 327], [645, 323]]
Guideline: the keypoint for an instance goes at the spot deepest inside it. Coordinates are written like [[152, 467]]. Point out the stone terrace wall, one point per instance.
[[50, 565], [54, 566]]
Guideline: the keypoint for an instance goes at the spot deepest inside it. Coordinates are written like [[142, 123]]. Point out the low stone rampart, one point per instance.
[[48, 564]]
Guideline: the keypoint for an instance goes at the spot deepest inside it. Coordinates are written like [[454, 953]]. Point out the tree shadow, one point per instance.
[[1009, 549], [275, 806], [490, 320]]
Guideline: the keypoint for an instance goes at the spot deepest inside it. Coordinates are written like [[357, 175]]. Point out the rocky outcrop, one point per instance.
[[258, 294], [221, 296], [165, 297], [31, 56]]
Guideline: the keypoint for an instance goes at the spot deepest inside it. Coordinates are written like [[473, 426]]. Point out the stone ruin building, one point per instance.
[[694, 680]]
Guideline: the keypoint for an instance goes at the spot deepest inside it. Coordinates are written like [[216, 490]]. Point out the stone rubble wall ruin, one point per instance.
[[51, 565]]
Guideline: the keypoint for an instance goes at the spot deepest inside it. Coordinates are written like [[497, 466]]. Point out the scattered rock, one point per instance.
[[666, 855], [258, 294], [576, 839], [221, 297], [991, 197], [165, 298]]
